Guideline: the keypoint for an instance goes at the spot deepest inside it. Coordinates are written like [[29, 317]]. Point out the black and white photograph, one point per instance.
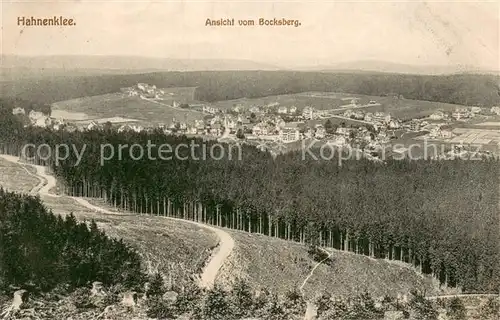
[[249, 160]]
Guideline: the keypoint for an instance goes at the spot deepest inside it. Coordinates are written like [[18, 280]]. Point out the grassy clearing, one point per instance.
[[351, 274], [401, 108], [176, 249], [118, 105], [14, 178], [180, 94], [280, 266]]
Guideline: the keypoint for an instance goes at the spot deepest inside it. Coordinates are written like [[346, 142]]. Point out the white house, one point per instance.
[[254, 109], [124, 128], [282, 110], [393, 124], [215, 120], [438, 115], [475, 109], [495, 110], [348, 113], [237, 108], [137, 128], [58, 124], [289, 134], [38, 119], [368, 117], [229, 123], [208, 109], [342, 131], [307, 113], [280, 123], [359, 115], [92, 125], [446, 134], [18, 110], [257, 130], [320, 132], [292, 110]]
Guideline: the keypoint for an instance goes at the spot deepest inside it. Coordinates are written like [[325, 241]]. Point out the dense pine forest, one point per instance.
[[440, 216], [464, 89], [42, 251]]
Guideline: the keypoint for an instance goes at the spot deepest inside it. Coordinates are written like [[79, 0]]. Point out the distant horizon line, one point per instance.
[[241, 59], [339, 66]]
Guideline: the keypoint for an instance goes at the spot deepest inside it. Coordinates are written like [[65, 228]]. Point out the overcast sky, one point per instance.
[[431, 33]]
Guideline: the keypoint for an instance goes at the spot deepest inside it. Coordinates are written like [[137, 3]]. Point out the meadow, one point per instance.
[[280, 266], [120, 105], [400, 108]]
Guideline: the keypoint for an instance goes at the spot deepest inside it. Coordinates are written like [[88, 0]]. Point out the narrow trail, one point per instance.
[[465, 295], [210, 271], [311, 308]]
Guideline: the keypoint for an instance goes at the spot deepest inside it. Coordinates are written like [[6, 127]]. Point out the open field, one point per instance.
[[177, 249], [14, 178], [476, 136], [280, 265], [180, 94], [68, 115], [489, 123], [401, 108], [118, 105]]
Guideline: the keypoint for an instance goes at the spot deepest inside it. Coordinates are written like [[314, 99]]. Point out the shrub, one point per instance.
[[456, 309], [156, 287], [242, 299], [421, 308], [81, 298], [159, 309], [294, 303], [490, 310], [188, 299], [323, 303], [216, 305], [318, 255]]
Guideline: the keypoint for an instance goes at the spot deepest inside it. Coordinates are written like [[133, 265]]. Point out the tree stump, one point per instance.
[[170, 296], [20, 297], [129, 299], [97, 289]]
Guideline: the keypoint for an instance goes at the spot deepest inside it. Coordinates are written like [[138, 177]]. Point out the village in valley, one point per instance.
[[352, 123]]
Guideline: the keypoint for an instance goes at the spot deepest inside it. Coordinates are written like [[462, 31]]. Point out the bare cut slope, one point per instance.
[[281, 265], [14, 178]]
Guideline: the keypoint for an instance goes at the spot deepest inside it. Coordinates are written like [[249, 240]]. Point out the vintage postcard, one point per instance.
[[230, 160]]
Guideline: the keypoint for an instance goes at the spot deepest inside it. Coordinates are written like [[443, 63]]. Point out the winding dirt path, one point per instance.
[[311, 308], [210, 271], [465, 295]]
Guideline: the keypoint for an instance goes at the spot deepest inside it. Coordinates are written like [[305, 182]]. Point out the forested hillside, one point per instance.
[[41, 251], [440, 216], [465, 89]]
